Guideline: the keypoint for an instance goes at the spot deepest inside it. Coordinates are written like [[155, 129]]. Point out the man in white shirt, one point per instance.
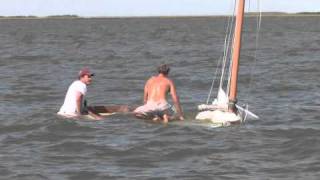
[[74, 105]]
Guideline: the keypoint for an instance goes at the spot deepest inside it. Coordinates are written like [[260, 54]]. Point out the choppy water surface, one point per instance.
[[40, 58]]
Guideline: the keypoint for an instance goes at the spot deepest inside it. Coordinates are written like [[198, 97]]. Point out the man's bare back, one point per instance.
[[157, 88], [155, 95]]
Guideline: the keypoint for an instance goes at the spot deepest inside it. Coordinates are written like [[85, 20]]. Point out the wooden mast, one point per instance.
[[236, 55]]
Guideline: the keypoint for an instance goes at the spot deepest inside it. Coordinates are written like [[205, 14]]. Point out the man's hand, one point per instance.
[[98, 118], [95, 116]]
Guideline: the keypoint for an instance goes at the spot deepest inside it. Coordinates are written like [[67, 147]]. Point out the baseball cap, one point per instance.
[[85, 71]]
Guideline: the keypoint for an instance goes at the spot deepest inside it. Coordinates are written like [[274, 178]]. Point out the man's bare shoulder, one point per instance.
[[169, 80], [157, 79], [152, 78]]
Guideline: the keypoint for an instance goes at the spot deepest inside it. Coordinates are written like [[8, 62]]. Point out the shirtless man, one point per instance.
[[155, 95]]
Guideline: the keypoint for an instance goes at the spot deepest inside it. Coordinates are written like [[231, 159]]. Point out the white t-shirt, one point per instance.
[[69, 106]]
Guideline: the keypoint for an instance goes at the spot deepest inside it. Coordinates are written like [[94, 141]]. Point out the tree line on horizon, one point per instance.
[[53, 16], [76, 16]]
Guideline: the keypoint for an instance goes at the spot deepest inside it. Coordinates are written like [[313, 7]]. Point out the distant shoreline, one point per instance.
[[264, 14]]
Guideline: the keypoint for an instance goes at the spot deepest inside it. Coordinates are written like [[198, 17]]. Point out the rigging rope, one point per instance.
[[231, 40], [222, 59], [258, 28], [253, 67], [228, 50]]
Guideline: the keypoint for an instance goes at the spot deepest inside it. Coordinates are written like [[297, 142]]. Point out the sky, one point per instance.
[[89, 8]]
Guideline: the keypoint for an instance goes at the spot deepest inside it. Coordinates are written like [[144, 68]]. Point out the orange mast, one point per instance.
[[236, 55]]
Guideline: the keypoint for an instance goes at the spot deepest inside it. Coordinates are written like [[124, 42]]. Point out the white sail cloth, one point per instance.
[[217, 111], [221, 102]]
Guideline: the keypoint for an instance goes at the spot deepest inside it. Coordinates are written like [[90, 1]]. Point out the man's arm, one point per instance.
[[176, 100], [145, 94], [95, 115], [79, 97]]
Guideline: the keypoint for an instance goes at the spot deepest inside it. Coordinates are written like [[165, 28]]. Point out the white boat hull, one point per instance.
[[219, 117]]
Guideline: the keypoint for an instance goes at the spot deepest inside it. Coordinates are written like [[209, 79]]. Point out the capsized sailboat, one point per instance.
[[224, 109]]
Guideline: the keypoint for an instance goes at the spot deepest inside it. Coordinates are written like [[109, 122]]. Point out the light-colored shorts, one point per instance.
[[152, 108]]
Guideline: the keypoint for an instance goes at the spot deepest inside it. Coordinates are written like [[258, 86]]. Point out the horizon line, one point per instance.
[[137, 16]]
